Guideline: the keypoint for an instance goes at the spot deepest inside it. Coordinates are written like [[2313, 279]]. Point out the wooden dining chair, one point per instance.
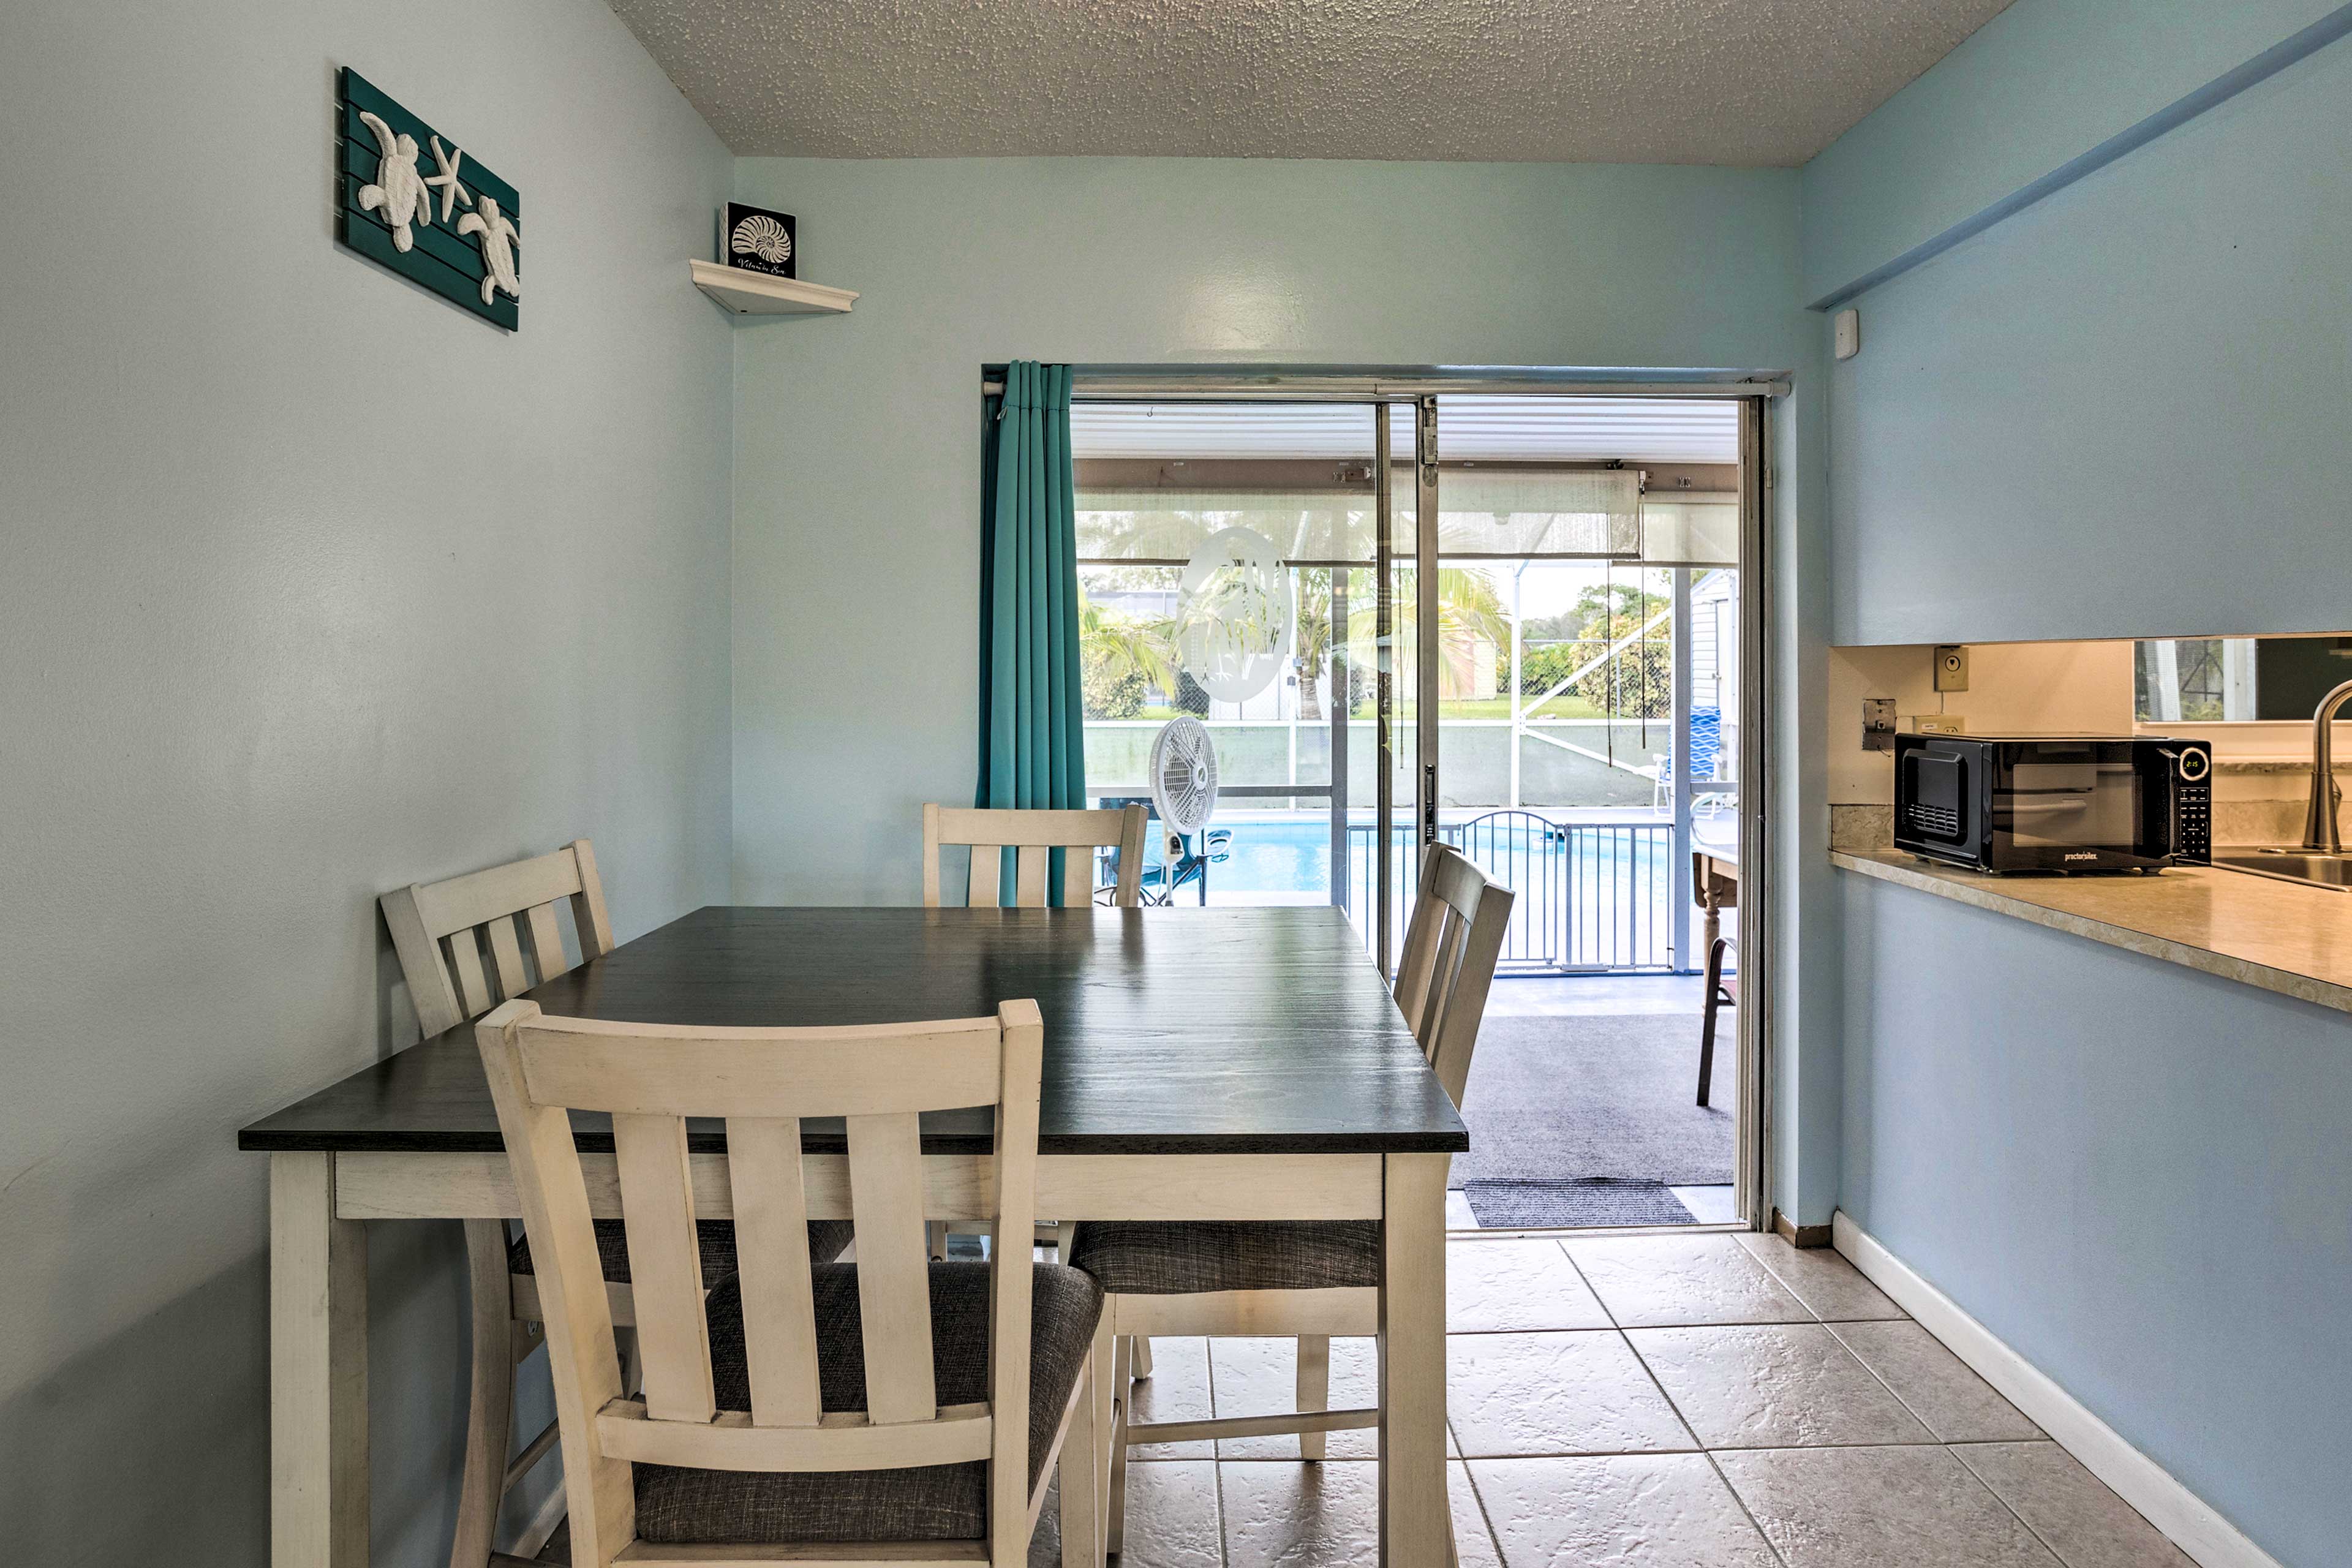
[[1308, 1279], [893, 1409], [1034, 836], [440, 930], [1722, 991]]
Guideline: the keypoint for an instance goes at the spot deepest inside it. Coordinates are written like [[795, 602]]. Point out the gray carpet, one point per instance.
[[1577, 1098], [1557, 1204]]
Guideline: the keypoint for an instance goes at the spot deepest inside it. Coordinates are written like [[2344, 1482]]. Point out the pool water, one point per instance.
[[1291, 853]]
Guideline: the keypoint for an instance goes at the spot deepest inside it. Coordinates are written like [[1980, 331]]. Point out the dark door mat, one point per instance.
[[1581, 1097], [1544, 1203]]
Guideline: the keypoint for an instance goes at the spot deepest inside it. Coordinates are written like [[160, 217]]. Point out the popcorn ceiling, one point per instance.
[[1753, 82]]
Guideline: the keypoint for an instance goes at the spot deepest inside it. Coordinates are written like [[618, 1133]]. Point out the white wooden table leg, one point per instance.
[[489, 1417], [1416, 1518], [318, 1371]]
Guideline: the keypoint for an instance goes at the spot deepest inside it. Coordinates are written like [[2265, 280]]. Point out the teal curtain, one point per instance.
[[1032, 717]]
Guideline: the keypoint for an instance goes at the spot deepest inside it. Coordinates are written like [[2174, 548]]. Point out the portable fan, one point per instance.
[[1183, 776], [1183, 793]]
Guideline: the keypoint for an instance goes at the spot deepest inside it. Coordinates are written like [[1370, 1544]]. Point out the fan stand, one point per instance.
[[1180, 865]]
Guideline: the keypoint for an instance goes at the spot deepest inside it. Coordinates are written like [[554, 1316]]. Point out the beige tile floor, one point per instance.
[[1705, 1401]]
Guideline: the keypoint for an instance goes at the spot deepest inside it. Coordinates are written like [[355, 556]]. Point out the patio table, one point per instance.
[[1211, 1064]]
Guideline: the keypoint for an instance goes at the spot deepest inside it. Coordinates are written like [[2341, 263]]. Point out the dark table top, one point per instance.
[[1168, 1031]]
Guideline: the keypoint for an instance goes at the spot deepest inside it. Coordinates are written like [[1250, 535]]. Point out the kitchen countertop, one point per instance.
[[2281, 936]]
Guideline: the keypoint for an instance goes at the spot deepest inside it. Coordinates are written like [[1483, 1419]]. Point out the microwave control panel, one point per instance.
[[2194, 778]]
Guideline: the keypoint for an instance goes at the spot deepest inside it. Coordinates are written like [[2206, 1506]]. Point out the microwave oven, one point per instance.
[[2054, 803]]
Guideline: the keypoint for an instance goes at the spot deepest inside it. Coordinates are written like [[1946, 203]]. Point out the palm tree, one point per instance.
[[1469, 611], [1128, 646]]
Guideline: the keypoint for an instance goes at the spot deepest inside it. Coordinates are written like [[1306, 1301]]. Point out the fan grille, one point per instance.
[[1185, 775]]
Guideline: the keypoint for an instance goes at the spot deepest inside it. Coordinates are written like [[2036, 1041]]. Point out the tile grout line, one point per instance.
[[1856, 1356], [1745, 1511], [2047, 1544], [1494, 1536], [1699, 1449], [1217, 1492], [1606, 1309]]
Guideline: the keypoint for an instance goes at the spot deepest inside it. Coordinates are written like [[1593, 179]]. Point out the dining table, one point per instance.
[[1217, 1063], [1715, 886]]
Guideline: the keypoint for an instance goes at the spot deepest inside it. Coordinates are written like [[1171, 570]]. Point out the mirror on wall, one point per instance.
[[2230, 680]]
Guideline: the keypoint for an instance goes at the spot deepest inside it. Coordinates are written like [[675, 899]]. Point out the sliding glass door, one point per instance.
[[1518, 624], [1230, 568]]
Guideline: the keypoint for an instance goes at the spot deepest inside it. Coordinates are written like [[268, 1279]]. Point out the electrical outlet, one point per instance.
[[1942, 724], [1878, 723], [1952, 666]]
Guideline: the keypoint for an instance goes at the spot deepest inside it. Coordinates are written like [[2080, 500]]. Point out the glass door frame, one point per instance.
[[1419, 388]]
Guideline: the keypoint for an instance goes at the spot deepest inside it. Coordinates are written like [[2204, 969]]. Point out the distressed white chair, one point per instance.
[[1034, 836], [439, 930], [1307, 1278], [893, 1409]]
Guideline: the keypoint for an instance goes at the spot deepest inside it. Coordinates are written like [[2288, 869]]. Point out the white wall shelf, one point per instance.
[[759, 294]]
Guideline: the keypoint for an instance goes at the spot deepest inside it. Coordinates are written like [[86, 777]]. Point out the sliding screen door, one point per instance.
[[1228, 564]]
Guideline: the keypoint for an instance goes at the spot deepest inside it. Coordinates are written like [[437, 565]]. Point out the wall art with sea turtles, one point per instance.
[[413, 200]]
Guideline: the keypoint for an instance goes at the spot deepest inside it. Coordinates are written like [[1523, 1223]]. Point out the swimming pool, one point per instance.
[[1591, 894]]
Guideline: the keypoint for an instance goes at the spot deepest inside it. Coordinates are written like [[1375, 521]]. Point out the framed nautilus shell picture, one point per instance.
[[757, 240]]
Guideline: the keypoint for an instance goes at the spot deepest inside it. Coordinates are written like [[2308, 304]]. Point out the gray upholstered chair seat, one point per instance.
[[828, 1239], [933, 1502], [1139, 1257]]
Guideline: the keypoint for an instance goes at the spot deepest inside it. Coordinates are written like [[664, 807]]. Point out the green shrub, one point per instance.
[[1637, 684], [1107, 694]]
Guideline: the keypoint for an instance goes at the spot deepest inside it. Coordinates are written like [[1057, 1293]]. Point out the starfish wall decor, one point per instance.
[[465, 246]]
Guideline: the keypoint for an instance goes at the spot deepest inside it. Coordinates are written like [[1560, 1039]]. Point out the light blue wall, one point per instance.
[[2122, 411], [315, 585], [2136, 1174], [857, 438], [857, 441], [2037, 87], [2119, 411]]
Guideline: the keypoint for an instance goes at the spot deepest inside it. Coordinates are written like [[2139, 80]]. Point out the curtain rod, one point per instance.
[[1178, 384]]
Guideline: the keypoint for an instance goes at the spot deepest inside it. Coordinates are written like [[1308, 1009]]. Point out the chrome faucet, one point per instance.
[[2319, 823]]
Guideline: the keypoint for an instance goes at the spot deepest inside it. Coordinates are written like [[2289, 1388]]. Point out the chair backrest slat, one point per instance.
[[1034, 836], [546, 940], [1078, 878], [438, 928], [1030, 861], [894, 1265], [1447, 963], [763, 1160], [665, 1266], [506, 954], [473, 984], [983, 884], [764, 1082]]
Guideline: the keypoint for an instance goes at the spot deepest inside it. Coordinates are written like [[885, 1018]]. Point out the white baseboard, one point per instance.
[[2190, 1523]]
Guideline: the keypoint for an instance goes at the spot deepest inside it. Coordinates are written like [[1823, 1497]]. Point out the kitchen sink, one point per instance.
[[2291, 865]]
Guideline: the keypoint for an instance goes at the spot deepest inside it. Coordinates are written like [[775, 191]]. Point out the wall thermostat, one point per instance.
[[1845, 331], [1951, 667]]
